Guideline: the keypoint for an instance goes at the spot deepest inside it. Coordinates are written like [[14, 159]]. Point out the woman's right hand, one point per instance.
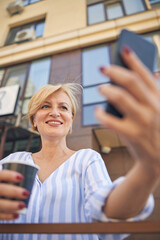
[[9, 208]]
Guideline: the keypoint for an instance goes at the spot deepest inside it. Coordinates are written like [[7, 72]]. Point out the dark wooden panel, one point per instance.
[[150, 227]]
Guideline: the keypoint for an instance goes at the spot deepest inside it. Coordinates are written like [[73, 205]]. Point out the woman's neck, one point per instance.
[[52, 150], [50, 157]]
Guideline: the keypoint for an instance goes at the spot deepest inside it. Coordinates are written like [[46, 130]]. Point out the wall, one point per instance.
[[66, 29]]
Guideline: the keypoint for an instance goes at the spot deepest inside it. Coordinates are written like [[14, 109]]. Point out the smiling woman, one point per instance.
[[39, 99], [54, 113], [51, 112], [71, 186]]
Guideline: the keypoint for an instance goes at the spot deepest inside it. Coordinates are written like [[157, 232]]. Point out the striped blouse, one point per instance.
[[74, 192]]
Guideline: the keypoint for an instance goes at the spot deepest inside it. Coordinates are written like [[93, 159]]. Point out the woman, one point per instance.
[[75, 186]]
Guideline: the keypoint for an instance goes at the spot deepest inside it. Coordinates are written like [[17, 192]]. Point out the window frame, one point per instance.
[[111, 51], [110, 2], [109, 45], [22, 27], [106, 4], [26, 79], [154, 1], [93, 4]]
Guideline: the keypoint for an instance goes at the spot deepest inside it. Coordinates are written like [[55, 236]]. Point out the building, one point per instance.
[[51, 41]]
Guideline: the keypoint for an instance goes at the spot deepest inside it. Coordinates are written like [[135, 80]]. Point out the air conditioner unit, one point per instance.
[[25, 35], [15, 7]]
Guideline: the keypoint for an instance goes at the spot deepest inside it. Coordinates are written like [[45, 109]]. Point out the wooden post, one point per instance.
[[29, 143], [3, 141]]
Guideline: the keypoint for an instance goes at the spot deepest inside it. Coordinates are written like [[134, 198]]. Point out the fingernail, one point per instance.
[[127, 50], [19, 177], [102, 69], [15, 215], [25, 193], [21, 205]]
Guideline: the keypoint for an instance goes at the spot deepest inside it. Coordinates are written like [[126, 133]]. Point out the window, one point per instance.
[[100, 11], [92, 59], [132, 7], [27, 2], [88, 114], [96, 14], [114, 11], [30, 77], [38, 76], [154, 1], [15, 75], [37, 26]]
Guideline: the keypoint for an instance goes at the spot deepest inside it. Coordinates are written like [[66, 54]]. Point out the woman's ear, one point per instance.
[[34, 123]]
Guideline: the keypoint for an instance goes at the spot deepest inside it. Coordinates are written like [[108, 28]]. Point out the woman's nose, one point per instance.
[[54, 112]]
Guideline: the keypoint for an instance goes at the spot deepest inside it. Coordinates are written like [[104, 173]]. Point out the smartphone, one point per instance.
[[144, 49]]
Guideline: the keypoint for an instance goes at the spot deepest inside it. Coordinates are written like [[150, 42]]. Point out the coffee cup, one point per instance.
[[28, 170]]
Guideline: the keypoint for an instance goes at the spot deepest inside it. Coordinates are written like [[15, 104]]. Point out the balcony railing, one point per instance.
[[144, 227]]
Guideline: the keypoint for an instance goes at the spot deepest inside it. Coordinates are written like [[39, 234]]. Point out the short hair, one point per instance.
[[71, 89]]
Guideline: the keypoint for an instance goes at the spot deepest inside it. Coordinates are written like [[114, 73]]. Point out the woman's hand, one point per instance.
[[9, 208], [139, 101]]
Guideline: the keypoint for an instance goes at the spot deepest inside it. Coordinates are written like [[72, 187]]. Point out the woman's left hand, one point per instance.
[[139, 101]]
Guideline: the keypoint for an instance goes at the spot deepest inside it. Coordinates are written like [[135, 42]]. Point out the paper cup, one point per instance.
[[29, 171]]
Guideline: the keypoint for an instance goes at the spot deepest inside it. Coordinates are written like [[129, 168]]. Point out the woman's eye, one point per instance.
[[45, 106], [64, 107]]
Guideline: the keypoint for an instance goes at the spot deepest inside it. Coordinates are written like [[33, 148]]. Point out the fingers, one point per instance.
[[121, 99], [138, 81], [10, 176], [8, 208], [134, 63], [128, 106], [11, 206], [121, 126], [12, 191], [110, 121], [104, 118], [8, 216], [137, 97], [131, 82]]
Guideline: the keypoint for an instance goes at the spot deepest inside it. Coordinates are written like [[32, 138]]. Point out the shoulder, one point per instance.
[[88, 152], [87, 156], [92, 164], [17, 156]]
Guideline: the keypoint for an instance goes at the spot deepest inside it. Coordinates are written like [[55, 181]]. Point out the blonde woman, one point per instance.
[[74, 186]]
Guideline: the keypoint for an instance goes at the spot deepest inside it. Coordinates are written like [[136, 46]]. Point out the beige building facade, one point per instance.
[[66, 28]]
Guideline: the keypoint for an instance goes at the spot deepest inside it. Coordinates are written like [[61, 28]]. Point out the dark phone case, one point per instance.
[[145, 50]]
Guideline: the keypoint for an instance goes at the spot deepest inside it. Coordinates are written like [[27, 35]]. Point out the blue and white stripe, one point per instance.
[[74, 192]]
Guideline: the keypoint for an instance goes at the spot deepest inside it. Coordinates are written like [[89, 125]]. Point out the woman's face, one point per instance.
[[54, 118]]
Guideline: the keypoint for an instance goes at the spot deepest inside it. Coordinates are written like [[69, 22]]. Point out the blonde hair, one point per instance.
[[71, 89]]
